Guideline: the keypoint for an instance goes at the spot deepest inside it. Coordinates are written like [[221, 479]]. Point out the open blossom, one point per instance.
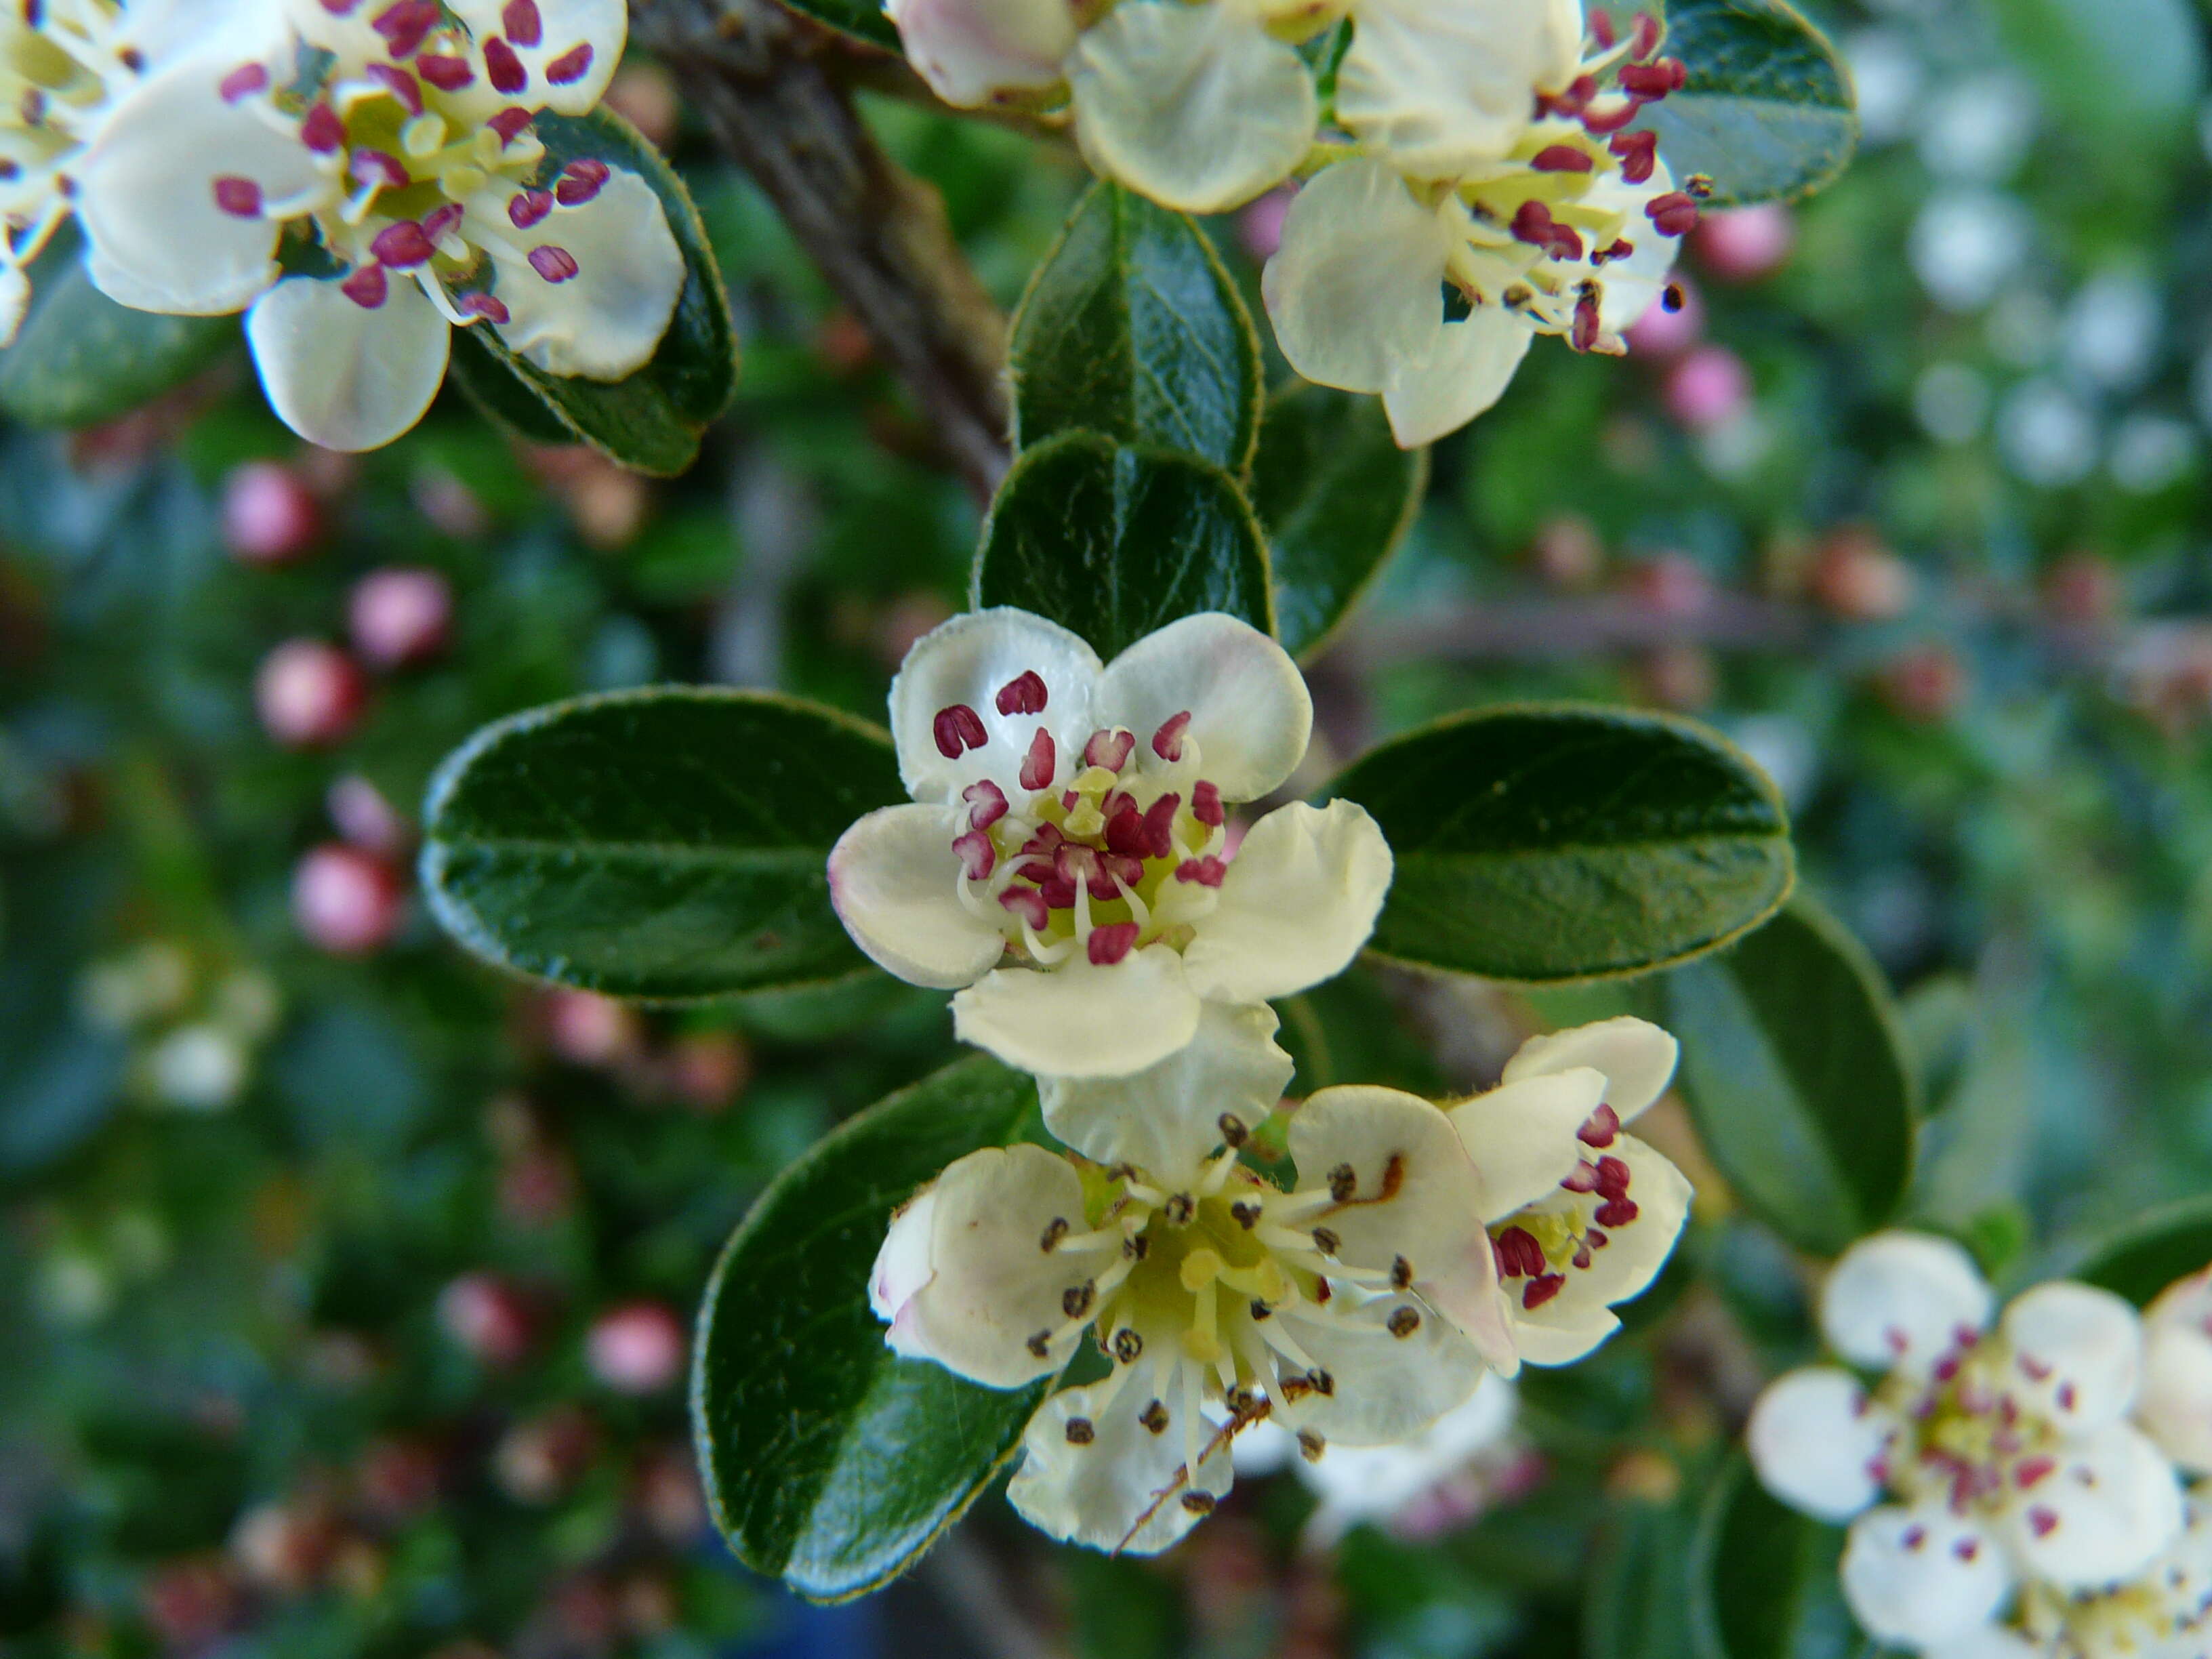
[[2176, 1407], [399, 132], [1356, 1308], [1067, 858], [2000, 1500], [1423, 269]]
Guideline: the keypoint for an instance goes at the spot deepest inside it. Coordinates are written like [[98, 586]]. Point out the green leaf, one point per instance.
[[829, 1462], [668, 842], [1635, 1608], [1767, 113], [499, 394], [2144, 1257], [1547, 843], [1798, 1079], [80, 358], [1335, 496], [1115, 543], [2125, 70], [650, 421], [1763, 1581], [1133, 327], [861, 19]]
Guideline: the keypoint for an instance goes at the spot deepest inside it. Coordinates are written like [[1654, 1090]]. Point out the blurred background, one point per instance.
[[348, 1284]]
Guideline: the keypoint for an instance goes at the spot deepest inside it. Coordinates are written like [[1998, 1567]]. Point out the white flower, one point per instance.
[[2175, 1406], [1423, 270], [1064, 860], [410, 152], [1357, 1308], [1582, 1215], [2013, 1474]]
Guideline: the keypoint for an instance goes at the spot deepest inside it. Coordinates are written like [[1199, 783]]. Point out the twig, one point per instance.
[[758, 75]]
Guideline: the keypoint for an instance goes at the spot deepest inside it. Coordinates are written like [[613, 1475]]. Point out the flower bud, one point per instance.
[[638, 1349], [344, 900], [400, 616], [586, 1029], [309, 694], [270, 517], [1926, 684], [486, 1316], [1743, 245], [1709, 388], [1668, 329], [365, 818], [1858, 579]]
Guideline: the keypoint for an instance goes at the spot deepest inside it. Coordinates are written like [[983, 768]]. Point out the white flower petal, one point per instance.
[[1443, 86], [1521, 1134], [1633, 284], [1637, 1057], [340, 376], [2175, 1407], [1461, 373], [1298, 904], [894, 881], [967, 662], [567, 27], [1384, 1387], [903, 1267], [1197, 106], [146, 194], [1356, 288], [1166, 1119], [993, 1289], [967, 49], [1081, 1020], [1817, 1441], [1903, 1299], [606, 321], [1920, 1578], [1415, 1203], [1376, 1483], [1121, 1488], [2111, 1506], [1574, 1321], [1250, 713], [2078, 1353]]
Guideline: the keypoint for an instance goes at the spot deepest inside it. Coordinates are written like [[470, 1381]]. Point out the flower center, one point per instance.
[[1540, 1246], [64, 66], [1975, 1445]]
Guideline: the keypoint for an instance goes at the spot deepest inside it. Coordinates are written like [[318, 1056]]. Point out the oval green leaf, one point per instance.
[[1540, 843], [1335, 496], [1767, 113], [1798, 1079], [664, 843], [1763, 1581], [1115, 543], [1133, 327], [650, 421], [829, 1462], [861, 19], [2144, 1257]]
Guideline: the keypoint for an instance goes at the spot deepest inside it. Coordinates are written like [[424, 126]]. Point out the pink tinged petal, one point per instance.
[[2175, 1406], [902, 1262], [2082, 1354], [967, 50], [1081, 1020], [342, 376], [1817, 1443], [1103, 1470], [1903, 1300], [1910, 1582], [1296, 905], [894, 882], [1223, 684], [966, 660]]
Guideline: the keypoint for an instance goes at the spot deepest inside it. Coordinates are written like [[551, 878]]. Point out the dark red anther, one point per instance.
[[986, 803], [402, 245], [1601, 30], [1025, 693], [1205, 872], [1541, 1290], [957, 728], [526, 207], [1645, 37], [378, 167], [1045, 842], [1675, 214], [1649, 83], [1519, 1254], [509, 123], [1206, 804], [580, 181], [243, 82], [505, 69], [1110, 749], [1159, 825], [446, 74], [1110, 944], [2030, 1470], [1617, 1212], [1588, 325], [1613, 1177], [1572, 101], [1040, 763], [1914, 1538], [978, 856], [570, 67], [400, 84], [1966, 1548], [439, 220], [1595, 1239], [489, 307], [1638, 152], [367, 287], [406, 24], [2067, 1397], [321, 131], [1621, 249], [521, 21], [1562, 158], [1601, 123], [1534, 224], [557, 264], [1125, 833], [2042, 1522], [1028, 904], [240, 197], [1583, 1178], [1603, 1125], [1167, 742], [1058, 892]]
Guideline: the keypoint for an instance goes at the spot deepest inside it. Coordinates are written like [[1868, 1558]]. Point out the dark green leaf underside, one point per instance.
[[2144, 1258], [829, 1462], [858, 18], [1559, 843], [660, 843], [1763, 1578]]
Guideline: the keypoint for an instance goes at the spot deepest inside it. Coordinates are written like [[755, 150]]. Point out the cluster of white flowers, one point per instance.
[[1482, 182], [359, 176], [1069, 865], [194, 1029], [2014, 1490]]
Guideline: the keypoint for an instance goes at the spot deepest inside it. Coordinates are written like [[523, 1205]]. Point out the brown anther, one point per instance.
[[1699, 184], [1233, 1132], [1053, 1234], [1041, 1345], [1136, 1248], [1179, 1210], [1155, 1418], [1080, 1432], [1243, 1402], [1246, 1212], [1401, 1274], [1324, 1384], [1294, 1387], [1199, 1503], [1326, 1241], [1403, 1323], [1128, 1346], [1312, 1445], [1075, 1301], [1343, 1182], [1260, 1310]]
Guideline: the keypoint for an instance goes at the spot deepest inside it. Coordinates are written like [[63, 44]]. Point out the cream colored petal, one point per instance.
[[1441, 87], [1636, 1056], [1250, 715], [1081, 1020], [1117, 1485], [342, 377], [2111, 1507], [1356, 288], [1386, 1383], [1920, 1578], [1817, 1440], [968, 50], [967, 662], [1462, 373], [1903, 1300], [606, 321], [1521, 1134], [894, 881], [2079, 1353], [1298, 904]]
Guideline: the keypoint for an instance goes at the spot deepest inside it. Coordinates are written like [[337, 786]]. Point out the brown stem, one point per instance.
[[757, 73]]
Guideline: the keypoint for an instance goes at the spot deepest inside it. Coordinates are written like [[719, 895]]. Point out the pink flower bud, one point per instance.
[[269, 515], [1742, 245], [486, 1316], [309, 694], [1260, 225], [637, 1348], [400, 616], [365, 818], [586, 1029], [1662, 333], [345, 901], [1708, 389]]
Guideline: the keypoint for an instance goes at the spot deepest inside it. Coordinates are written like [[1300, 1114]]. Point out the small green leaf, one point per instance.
[[1133, 327], [1763, 1581], [1797, 1076], [829, 1462], [1547, 842], [861, 19], [1335, 496], [80, 358], [501, 395], [1767, 113], [650, 421], [1115, 542], [669, 843], [2144, 1257]]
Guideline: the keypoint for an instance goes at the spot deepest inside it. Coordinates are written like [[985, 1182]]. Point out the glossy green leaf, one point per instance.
[[861, 19], [80, 358], [1115, 543], [669, 843], [2144, 1257], [650, 421], [1762, 1578], [1797, 1076], [1636, 1607], [1335, 496], [1767, 113], [1133, 327], [829, 1462], [1547, 843], [499, 394]]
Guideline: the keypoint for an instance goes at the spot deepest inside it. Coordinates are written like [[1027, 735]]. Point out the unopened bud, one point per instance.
[[270, 517], [345, 901], [400, 617], [639, 1348], [309, 695]]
